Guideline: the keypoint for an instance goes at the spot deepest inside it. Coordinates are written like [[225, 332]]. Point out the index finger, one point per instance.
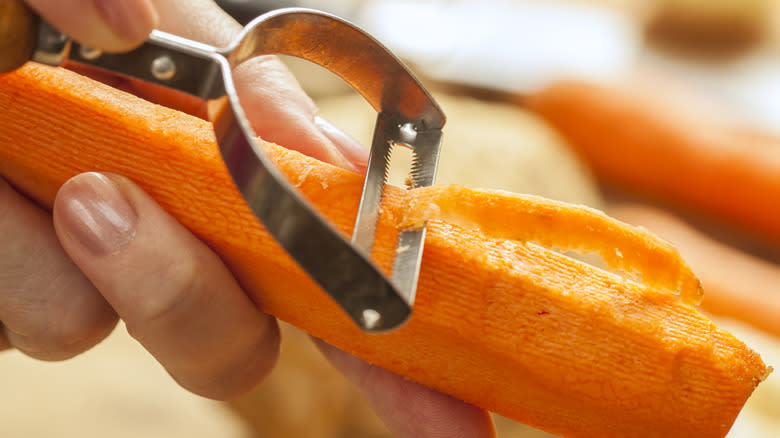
[[110, 25], [278, 109]]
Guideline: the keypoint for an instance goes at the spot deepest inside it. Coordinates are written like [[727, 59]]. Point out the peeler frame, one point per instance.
[[407, 116]]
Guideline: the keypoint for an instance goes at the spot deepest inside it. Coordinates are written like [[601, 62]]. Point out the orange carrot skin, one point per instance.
[[511, 327], [737, 285], [649, 146]]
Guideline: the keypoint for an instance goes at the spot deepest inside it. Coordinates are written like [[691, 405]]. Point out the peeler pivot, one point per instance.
[[407, 115]]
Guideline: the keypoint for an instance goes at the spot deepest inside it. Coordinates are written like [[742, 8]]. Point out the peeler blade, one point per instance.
[[344, 269], [425, 145]]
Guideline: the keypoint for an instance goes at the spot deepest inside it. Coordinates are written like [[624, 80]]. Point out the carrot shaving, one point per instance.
[[556, 225]]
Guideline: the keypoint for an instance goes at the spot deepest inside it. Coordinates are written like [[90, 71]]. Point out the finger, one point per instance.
[[175, 295], [111, 25], [48, 308], [277, 107], [353, 151], [409, 409], [280, 112]]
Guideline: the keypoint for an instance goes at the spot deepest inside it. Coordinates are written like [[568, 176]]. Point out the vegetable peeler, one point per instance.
[[407, 116]]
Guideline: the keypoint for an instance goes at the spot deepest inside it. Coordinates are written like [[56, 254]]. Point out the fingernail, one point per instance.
[[352, 150], [97, 214], [131, 20]]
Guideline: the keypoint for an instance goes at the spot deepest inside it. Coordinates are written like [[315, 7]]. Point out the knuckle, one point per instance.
[[56, 316], [237, 373], [163, 303], [80, 334], [63, 337], [51, 309], [77, 325]]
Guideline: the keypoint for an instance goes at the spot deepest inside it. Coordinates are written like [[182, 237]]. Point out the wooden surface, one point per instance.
[[115, 390]]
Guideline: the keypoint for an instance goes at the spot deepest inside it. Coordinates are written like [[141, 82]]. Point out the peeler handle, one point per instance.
[[18, 33]]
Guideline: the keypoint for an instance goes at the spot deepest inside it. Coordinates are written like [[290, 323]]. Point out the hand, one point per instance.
[[113, 252]]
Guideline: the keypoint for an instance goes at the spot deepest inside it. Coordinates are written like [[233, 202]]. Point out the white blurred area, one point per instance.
[[115, 390], [516, 46], [521, 45], [506, 45]]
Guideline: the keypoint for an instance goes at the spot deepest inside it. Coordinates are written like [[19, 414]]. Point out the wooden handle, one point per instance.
[[18, 29]]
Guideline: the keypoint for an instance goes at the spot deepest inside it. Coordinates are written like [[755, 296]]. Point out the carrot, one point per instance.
[[737, 285], [504, 324], [650, 145], [557, 225]]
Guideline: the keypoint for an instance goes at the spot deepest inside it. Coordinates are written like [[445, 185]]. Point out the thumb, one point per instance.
[[110, 25]]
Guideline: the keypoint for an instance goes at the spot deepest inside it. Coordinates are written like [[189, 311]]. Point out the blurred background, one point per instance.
[[663, 113]]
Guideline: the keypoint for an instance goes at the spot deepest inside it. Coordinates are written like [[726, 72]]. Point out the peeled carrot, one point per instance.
[[648, 144], [736, 284], [504, 324]]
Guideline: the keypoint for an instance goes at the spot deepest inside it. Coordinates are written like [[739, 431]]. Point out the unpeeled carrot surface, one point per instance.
[[499, 321], [666, 147]]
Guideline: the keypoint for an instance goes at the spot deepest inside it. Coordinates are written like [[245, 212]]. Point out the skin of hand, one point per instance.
[[112, 252]]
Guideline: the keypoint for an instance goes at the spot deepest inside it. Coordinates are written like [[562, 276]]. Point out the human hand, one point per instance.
[[113, 252]]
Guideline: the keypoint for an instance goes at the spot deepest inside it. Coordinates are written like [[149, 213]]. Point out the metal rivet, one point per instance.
[[371, 318], [408, 133], [163, 68], [89, 53]]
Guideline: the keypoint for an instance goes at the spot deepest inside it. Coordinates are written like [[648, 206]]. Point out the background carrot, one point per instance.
[[650, 143], [512, 327]]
